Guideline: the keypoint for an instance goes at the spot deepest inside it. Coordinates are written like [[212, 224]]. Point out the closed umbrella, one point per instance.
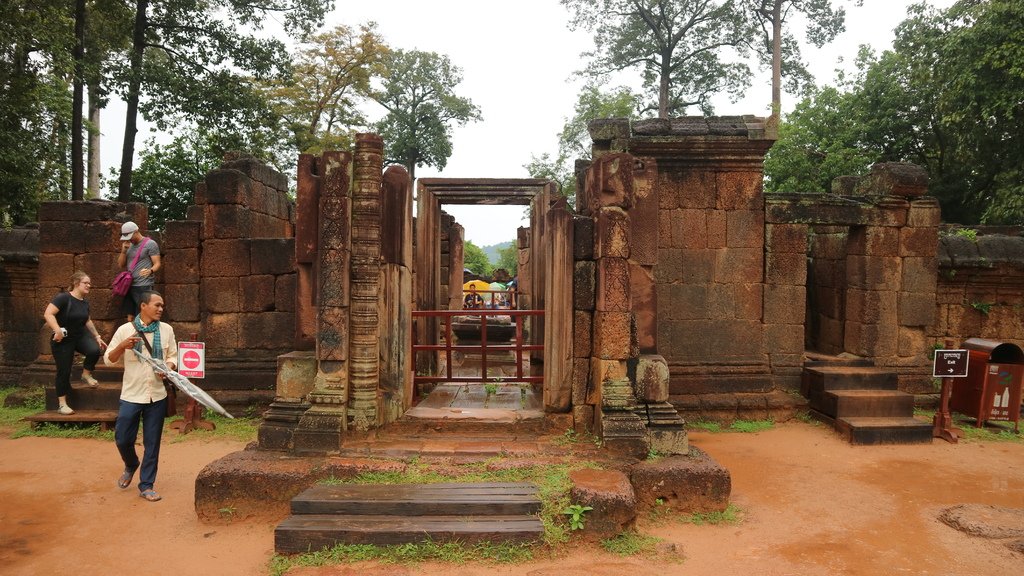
[[183, 384]]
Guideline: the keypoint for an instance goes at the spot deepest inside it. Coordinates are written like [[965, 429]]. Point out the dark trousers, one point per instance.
[[64, 356], [126, 431], [130, 302]]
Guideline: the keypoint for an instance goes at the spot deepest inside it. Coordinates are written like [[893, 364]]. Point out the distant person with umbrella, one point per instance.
[[143, 395]]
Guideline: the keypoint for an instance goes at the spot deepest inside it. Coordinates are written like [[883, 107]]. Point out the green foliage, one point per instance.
[[967, 233], [820, 22], [736, 426], [574, 140], [686, 50], [983, 307], [35, 106], [330, 78], [490, 389], [819, 140], [995, 431], [575, 512], [631, 543], [450, 552], [475, 259], [946, 97], [508, 258], [731, 515], [418, 92]]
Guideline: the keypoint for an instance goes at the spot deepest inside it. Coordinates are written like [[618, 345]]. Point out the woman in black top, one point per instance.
[[68, 316]]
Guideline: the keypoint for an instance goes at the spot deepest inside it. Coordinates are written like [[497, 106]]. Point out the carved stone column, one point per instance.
[[364, 349], [321, 428]]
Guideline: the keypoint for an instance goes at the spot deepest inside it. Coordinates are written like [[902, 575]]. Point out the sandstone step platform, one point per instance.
[[868, 430], [852, 403], [324, 516], [105, 418], [862, 403]]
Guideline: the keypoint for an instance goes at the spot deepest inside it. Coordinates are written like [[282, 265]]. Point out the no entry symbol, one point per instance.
[[191, 359]]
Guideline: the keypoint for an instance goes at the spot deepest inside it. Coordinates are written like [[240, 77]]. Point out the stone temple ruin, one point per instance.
[[674, 290]]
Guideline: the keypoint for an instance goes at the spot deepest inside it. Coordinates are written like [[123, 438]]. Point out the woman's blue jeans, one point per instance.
[[126, 431]]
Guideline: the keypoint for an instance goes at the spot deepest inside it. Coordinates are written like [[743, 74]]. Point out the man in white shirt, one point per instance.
[[142, 390]]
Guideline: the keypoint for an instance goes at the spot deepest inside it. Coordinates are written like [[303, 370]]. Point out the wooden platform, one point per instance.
[[326, 515], [105, 418]]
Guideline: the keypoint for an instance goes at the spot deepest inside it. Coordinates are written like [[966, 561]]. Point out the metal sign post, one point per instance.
[[948, 364], [192, 356]]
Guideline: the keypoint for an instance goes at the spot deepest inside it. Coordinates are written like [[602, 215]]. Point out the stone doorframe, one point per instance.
[[539, 194]]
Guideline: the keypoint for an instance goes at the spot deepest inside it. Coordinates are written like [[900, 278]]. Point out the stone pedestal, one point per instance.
[[622, 430], [296, 373]]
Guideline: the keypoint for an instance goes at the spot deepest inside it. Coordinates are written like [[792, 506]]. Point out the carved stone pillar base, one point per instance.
[[624, 432], [279, 424], [322, 428], [621, 429], [666, 429]]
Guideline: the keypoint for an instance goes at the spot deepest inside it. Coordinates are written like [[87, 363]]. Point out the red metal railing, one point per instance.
[[518, 347]]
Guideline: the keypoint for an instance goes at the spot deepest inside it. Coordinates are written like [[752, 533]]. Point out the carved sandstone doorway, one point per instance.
[[438, 297]]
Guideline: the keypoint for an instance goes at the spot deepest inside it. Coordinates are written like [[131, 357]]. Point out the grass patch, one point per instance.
[[731, 515], [631, 543], [452, 552], [736, 426], [552, 482], [994, 431], [241, 429]]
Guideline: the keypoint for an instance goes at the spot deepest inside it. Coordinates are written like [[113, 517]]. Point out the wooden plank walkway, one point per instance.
[[501, 498]]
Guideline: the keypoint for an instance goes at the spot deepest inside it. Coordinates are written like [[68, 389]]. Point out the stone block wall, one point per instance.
[[20, 313], [230, 269], [980, 291]]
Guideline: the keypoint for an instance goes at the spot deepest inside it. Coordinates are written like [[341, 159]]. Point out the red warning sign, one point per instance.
[[192, 356]]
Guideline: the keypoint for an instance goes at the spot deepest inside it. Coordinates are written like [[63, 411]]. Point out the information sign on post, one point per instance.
[[950, 364], [192, 359]]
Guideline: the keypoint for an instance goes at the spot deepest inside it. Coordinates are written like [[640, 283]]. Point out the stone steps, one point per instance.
[[326, 515], [862, 403]]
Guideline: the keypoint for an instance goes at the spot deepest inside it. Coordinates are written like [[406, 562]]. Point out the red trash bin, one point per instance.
[[992, 389]]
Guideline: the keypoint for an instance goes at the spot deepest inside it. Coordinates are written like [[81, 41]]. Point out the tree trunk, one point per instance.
[[93, 166], [663, 84], [777, 59], [77, 175], [124, 186]]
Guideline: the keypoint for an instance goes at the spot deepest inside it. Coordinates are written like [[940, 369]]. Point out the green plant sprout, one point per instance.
[[575, 513]]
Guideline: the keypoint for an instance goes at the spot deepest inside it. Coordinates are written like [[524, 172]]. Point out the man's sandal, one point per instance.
[[150, 495], [126, 479]]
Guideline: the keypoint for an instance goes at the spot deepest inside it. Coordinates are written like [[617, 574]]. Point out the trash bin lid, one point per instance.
[[998, 352]]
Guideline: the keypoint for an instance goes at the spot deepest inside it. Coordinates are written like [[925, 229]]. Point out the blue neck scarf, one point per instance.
[[153, 328]]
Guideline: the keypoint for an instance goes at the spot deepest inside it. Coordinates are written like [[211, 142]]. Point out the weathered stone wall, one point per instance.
[[880, 232], [980, 290], [20, 313], [230, 269]]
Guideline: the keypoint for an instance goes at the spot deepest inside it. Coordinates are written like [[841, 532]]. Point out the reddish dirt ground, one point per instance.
[[812, 505]]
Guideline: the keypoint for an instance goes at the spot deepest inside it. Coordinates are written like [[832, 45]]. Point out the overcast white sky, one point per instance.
[[517, 59]]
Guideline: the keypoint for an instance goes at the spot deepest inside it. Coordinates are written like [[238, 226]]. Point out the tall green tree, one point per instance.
[[330, 78], [946, 97], [508, 258], [574, 142], [36, 70], [822, 138], [473, 257], [200, 61], [683, 48], [780, 48], [418, 93]]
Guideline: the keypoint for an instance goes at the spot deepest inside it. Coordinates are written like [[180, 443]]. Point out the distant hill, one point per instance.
[[492, 251]]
